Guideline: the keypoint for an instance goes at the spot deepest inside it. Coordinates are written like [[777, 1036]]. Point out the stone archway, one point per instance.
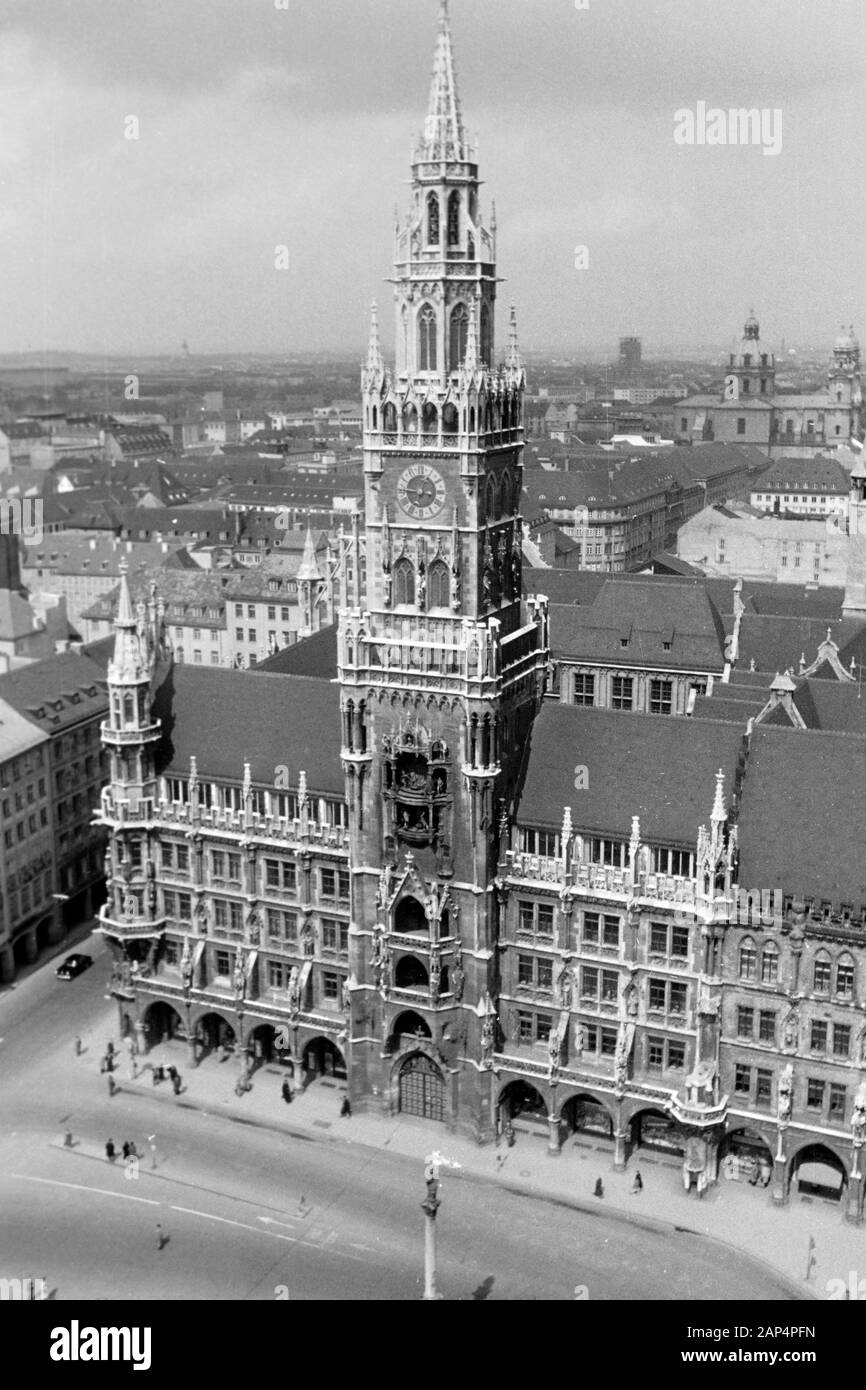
[[520, 1099], [653, 1129], [408, 1026], [410, 917], [322, 1057], [261, 1045], [214, 1032], [411, 973], [817, 1171], [583, 1114], [162, 1023], [421, 1088], [745, 1156]]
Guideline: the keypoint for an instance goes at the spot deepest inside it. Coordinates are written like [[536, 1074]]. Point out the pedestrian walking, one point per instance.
[[346, 1108], [176, 1081], [112, 1085], [110, 1151], [79, 1047], [637, 1185], [126, 1150], [161, 1237], [287, 1091], [599, 1188], [109, 1048], [67, 1140]]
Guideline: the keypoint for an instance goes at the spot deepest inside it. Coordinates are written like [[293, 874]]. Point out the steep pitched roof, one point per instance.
[[796, 785], [228, 718], [57, 692], [662, 770], [661, 622], [312, 656]]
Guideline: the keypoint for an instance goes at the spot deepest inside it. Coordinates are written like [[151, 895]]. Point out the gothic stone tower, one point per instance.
[[442, 673]]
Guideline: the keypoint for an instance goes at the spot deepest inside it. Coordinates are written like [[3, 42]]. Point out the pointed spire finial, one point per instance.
[[443, 129], [470, 361], [309, 567], [512, 359], [719, 811], [375, 361]]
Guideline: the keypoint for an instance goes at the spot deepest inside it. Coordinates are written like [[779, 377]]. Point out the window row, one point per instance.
[[827, 978]]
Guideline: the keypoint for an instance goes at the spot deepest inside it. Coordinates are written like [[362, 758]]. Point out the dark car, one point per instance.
[[73, 965]]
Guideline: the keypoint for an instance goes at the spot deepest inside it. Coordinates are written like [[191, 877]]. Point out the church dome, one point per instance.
[[751, 328]]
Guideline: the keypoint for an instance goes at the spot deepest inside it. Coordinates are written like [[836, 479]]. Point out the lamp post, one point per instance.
[[432, 1163]]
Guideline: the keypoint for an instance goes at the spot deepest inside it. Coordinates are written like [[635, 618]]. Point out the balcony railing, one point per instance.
[[211, 818]]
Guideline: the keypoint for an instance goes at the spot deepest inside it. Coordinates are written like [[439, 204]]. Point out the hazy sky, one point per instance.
[[262, 126]]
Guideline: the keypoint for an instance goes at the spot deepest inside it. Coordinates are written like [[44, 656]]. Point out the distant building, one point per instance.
[[630, 355], [750, 409], [802, 487]]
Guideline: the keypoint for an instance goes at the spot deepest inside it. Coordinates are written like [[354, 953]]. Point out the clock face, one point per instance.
[[421, 491]]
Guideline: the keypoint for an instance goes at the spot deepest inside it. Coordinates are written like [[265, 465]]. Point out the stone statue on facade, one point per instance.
[[294, 991], [631, 999], [239, 978], [620, 1062], [488, 1040], [254, 928], [186, 966], [554, 1057], [786, 1090], [858, 1119], [791, 1029], [566, 986], [308, 943]]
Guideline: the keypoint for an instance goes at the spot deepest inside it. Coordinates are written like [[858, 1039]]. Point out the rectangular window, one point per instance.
[[609, 986], [184, 907], [676, 1056], [584, 689], [588, 982], [608, 1042], [814, 1093], [658, 939], [655, 1054], [275, 974], [591, 921], [763, 1088], [657, 995], [330, 986], [611, 931], [845, 979], [678, 997], [748, 962], [741, 424], [622, 692], [525, 1027], [836, 1108], [223, 963], [543, 1025], [545, 919], [524, 970], [280, 874], [841, 1040], [767, 1027], [544, 973], [742, 1079], [220, 914], [745, 1022], [680, 943], [661, 697], [525, 917], [818, 1039]]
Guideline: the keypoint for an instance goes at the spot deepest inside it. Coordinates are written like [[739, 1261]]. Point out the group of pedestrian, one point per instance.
[[171, 1074], [128, 1151]]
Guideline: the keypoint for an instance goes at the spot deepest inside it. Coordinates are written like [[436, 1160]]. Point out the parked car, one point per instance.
[[73, 965]]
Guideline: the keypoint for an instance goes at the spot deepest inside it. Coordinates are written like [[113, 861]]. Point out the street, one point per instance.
[[253, 1213]]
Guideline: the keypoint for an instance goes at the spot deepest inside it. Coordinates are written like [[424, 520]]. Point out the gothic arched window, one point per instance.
[[404, 582], [438, 585], [770, 964], [432, 220], [748, 960], [454, 219], [427, 339], [486, 345], [491, 508], [450, 419], [821, 973], [845, 977], [459, 330], [506, 491]]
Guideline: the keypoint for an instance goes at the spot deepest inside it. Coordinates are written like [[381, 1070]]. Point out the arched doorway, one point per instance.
[[410, 917], [519, 1099], [43, 933], [653, 1129], [745, 1156], [584, 1115], [421, 1088], [323, 1058], [163, 1023], [817, 1172], [411, 973], [215, 1032]]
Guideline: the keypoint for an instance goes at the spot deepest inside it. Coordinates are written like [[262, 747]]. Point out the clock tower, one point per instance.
[[442, 672]]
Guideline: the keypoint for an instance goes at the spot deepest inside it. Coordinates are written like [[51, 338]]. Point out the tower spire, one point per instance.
[[443, 130], [512, 359], [375, 361], [128, 664]]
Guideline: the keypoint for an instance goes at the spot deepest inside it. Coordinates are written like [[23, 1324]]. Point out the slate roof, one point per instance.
[[226, 718], [645, 616], [818, 475], [797, 786], [312, 656], [776, 642], [658, 768], [58, 692]]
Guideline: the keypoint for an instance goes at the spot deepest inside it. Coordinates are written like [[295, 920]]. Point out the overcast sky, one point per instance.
[[262, 126]]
